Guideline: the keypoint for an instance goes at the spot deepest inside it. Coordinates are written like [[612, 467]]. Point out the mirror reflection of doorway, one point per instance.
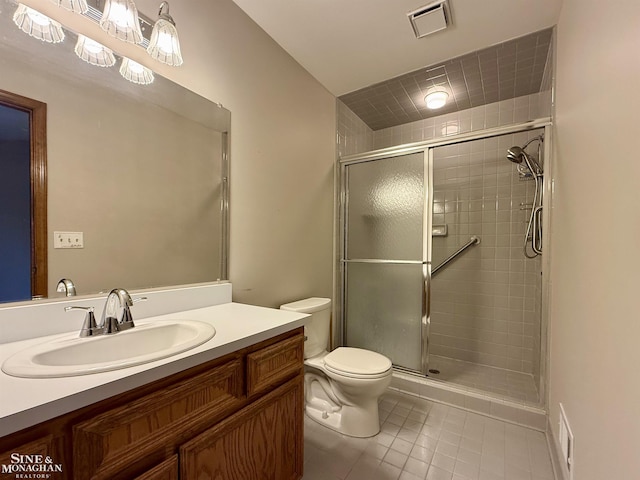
[[23, 219]]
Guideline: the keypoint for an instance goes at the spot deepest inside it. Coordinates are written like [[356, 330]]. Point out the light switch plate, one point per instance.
[[68, 240]]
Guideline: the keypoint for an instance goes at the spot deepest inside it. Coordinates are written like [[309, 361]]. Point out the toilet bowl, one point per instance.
[[342, 387]]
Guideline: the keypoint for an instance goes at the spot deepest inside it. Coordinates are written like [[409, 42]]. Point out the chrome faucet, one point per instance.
[[89, 327], [116, 315], [67, 287]]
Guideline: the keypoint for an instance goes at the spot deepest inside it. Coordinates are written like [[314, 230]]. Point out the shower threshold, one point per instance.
[[477, 388], [498, 382]]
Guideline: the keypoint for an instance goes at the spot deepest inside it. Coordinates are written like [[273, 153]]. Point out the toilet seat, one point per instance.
[[357, 363]]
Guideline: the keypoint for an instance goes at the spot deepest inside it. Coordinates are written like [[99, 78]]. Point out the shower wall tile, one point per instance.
[[354, 136], [486, 303], [546, 87], [503, 113]]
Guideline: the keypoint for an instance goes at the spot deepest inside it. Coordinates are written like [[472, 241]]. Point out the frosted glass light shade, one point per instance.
[[37, 25], [120, 20], [164, 45], [76, 6], [136, 73], [437, 99], [94, 53]]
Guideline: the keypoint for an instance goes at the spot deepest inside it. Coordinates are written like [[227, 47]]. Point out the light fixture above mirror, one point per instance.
[[94, 53], [136, 73], [120, 19], [164, 45], [37, 25], [76, 6]]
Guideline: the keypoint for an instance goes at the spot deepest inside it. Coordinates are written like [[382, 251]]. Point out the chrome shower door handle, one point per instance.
[[426, 315]]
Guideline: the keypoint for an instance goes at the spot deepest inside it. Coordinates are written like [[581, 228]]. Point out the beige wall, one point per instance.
[[595, 324], [282, 145]]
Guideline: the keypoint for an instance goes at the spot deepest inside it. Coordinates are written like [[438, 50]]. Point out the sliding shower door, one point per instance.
[[384, 258]]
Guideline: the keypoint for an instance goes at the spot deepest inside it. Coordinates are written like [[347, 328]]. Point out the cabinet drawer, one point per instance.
[[263, 441], [272, 365], [124, 440]]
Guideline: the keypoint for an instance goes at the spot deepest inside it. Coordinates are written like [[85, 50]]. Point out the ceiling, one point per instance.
[[507, 70], [351, 44]]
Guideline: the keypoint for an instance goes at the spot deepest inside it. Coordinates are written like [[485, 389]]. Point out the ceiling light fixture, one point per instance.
[[94, 53], [120, 20], [136, 73], [76, 6], [37, 25], [436, 98], [164, 45]]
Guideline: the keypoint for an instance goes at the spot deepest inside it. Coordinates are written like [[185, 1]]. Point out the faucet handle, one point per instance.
[[89, 326], [127, 317]]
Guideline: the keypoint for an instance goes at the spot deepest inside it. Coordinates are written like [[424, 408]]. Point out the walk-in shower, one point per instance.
[[455, 207]]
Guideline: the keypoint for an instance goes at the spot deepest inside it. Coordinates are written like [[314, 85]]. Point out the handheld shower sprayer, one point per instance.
[[533, 235]]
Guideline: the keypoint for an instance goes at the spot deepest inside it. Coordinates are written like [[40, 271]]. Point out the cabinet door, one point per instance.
[[167, 470], [113, 444], [264, 441]]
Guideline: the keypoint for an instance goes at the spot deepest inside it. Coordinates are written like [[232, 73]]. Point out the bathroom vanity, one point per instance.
[[231, 408]]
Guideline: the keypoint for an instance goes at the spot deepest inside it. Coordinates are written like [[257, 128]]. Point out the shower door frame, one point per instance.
[[427, 148], [425, 319]]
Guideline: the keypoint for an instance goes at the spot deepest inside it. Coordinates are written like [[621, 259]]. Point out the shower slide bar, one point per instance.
[[472, 241]]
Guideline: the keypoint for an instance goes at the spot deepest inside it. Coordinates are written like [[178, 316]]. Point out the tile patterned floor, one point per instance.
[[505, 384], [421, 439]]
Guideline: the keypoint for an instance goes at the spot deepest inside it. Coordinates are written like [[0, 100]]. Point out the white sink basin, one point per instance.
[[70, 355]]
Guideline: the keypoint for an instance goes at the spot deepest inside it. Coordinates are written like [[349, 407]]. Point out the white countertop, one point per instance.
[[25, 402]]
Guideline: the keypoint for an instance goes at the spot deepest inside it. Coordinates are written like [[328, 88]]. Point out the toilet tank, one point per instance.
[[317, 329]]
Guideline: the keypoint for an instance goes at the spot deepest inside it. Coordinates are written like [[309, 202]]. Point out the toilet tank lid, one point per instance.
[[357, 361], [308, 305]]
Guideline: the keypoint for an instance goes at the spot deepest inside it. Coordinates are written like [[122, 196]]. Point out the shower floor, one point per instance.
[[505, 384]]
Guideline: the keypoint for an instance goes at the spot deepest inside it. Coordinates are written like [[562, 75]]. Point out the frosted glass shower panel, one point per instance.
[[385, 208], [384, 311]]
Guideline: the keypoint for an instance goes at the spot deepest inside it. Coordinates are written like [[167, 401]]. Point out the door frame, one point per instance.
[[425, 263], [38, 172], [426, 147]]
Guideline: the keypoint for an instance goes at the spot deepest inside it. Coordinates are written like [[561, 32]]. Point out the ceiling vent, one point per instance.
[[430, 19]]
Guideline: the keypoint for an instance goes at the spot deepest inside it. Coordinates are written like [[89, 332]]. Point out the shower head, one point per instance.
[[515, 154], [518, 155]]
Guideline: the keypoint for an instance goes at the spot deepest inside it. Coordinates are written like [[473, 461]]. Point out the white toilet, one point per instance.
[[342, 387]]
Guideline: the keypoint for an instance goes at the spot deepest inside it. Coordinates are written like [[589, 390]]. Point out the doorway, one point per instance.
[[23, 198]]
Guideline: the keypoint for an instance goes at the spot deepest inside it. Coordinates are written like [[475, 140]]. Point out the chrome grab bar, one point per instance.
[[377, 260], [472, 241]]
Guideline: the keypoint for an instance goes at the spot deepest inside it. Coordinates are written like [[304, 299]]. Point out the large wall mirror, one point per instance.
[[141, 171]]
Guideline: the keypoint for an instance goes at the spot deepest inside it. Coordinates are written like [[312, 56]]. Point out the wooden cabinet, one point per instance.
[[108, 445], [167, 470], [261, 442], [237, 417]]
